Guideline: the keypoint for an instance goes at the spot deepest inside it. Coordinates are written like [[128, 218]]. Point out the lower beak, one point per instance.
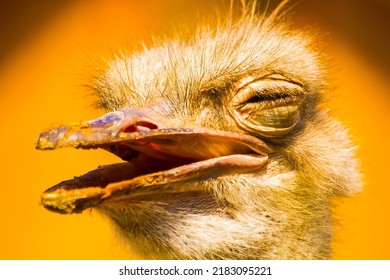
[[156, 151]]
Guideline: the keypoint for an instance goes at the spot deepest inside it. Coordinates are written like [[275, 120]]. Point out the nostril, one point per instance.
[[139, 126]]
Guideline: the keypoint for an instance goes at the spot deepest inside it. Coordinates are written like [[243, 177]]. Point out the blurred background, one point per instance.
[[47, 50]]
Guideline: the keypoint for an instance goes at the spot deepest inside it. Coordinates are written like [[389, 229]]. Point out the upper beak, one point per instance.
[[158, 152]]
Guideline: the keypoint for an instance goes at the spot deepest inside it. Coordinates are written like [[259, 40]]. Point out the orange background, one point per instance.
[[45, 59]]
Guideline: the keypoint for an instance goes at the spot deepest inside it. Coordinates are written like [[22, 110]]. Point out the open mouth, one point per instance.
[[154, 155]]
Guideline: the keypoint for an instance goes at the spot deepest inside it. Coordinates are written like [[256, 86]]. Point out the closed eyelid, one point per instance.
[[265, 90], [269, 77]]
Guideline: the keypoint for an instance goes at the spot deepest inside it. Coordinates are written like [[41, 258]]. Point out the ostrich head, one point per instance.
[[226, 151]]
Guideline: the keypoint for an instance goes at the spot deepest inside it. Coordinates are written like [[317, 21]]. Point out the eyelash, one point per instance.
[[266, 97]]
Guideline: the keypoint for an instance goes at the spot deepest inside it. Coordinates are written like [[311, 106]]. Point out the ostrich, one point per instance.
[[227, 151]]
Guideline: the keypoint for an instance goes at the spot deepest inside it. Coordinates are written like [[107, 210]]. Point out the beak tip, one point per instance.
[[44, 142], [51, 139]]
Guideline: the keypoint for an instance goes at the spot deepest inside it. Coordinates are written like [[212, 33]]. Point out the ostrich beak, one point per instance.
[[156, 152]]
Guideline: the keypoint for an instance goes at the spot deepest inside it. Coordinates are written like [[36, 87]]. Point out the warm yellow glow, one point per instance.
[[40, 83]]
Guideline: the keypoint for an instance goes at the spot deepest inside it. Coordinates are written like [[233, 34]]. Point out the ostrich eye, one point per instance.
[[269, 107], [277, 117]]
